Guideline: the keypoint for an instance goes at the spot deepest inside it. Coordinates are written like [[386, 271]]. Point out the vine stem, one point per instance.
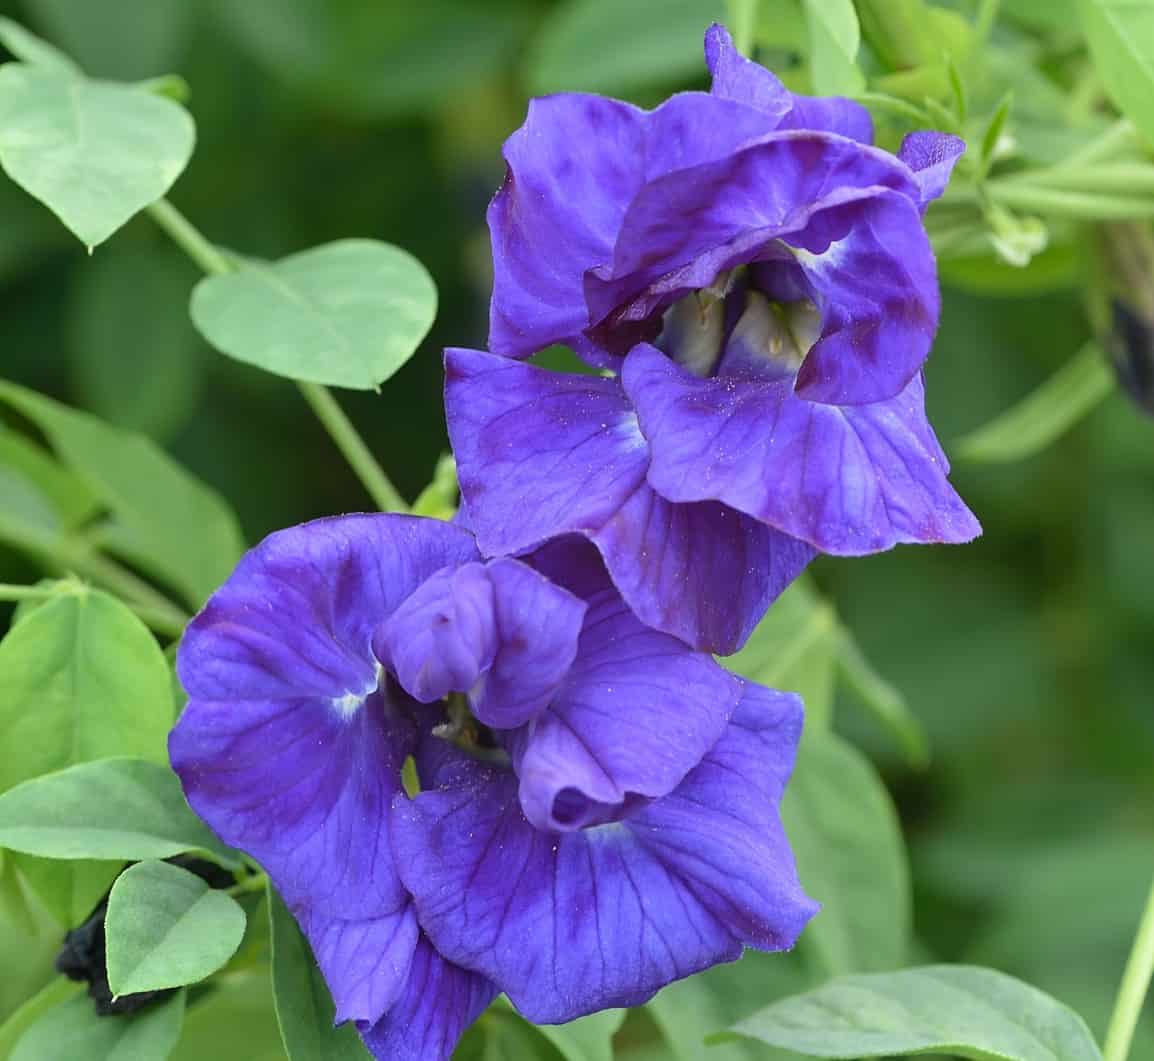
[[1132, 990], [320, 399]]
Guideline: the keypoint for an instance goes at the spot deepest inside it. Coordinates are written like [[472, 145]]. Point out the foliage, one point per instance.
[[1023, 662]]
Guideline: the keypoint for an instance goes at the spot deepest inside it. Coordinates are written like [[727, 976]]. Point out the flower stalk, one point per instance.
[[1132, 991], [320, 399]]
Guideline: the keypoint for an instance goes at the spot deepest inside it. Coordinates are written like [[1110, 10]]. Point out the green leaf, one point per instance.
[[961, 1010], [850, 855], [32, 50], [117, 38], [234, 1022], [69, 890], [71, 500], [795, 648], [1044, 415], [587, 1039], [885, 701], [346, 314], [94, 153], [136, 359], [834, 41], [440, 499], [1121, 38], [127, 809], [304, 1007], [57, 990], [72, 1031], [580, 49], [166, 927], [167, 521], [80, 678]]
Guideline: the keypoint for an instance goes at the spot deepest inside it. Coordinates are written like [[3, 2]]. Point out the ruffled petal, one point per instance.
[[541, 454], [738, 78], [638, 711], [443, 637], [932, 156], [683, 228], [440, 1000], [572, 923], [870, 266], [850, 481], [296, 617], [573, 169], [287, 748]]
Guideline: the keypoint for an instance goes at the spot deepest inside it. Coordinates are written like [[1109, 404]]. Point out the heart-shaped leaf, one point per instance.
[[346, 314], [109, 809], [166, 927], [960, 1010], [95, 153]]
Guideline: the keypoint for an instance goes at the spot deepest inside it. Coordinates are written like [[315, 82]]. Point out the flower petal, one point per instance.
[[364, 961], [850, 481], [876, 285], [932, 157], [296, 617], [637, 712], [499, 631], [683, 228], [439, 1002], [738, 78], [288, 750], [573, 169], [573, 923], [542, 454]]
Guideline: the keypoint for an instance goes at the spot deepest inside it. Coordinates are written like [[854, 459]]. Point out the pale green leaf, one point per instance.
[[70, 499], [127, 809], [56, 991], [68, 890], [961, 1010], [346, 314], [94, 153], [1121, 38], [845, 835], [167, 521], [304, 1006], [80, 678], [580, 48], [834, 37], [33, 50], [1044, 415], [165, 927], [234, 1022], [794, 648], [587, 1039], [72, 1031]]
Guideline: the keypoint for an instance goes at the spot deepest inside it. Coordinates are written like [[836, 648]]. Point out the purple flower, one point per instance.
[[758, 279], [598, 806]]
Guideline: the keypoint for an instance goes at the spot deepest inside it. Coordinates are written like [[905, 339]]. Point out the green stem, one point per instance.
[[1060, 202], [154, 609], [188, 238], [1116, 140], [1132, 991], [340, 427], [372, 476], [10, 593]]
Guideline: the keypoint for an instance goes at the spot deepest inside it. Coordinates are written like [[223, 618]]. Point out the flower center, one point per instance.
[[729, 327]]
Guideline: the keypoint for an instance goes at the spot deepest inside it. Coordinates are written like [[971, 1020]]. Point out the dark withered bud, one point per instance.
[[82, 956], [1128, 253], [1131, 348]]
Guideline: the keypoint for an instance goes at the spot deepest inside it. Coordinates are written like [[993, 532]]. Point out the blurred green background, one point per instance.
[[1028, 655]]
